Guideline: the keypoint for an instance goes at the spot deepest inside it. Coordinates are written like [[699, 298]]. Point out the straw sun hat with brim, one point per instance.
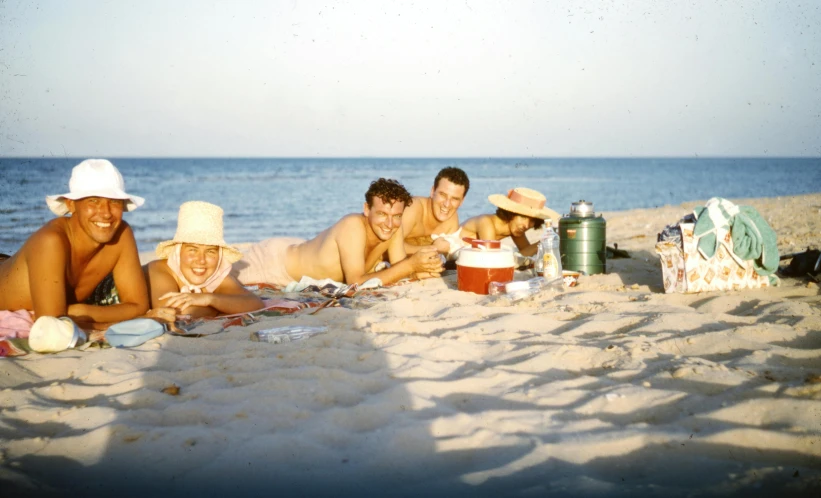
[[94, 178], [524, 201], [199, 223]]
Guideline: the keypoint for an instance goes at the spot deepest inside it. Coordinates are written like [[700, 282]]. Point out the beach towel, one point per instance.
[[713, 221], [264, 262], [339, 289], [753, 238], [454, 241], [15, 324]]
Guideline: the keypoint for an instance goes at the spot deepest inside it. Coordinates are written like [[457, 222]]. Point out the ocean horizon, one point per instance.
[[300, 196]]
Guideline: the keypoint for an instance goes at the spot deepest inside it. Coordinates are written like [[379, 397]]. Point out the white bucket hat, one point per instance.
[[94, 178], [524, 201], [199, 223], [51, 335]]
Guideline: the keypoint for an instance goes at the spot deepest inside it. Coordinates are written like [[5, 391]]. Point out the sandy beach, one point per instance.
[[610, 388]]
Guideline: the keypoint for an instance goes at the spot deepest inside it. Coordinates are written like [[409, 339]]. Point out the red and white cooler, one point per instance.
[[482, 263]]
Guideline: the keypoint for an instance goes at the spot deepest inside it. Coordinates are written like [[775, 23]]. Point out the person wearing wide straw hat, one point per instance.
[[192, 274], [517, 212], [58, 269]]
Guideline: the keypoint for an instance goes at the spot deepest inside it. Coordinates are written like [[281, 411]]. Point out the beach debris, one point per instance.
[[289, 333], [616, 253], [812, 379], [172, 390]]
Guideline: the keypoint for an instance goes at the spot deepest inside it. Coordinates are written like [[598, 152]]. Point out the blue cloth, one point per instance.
[[133, 332]]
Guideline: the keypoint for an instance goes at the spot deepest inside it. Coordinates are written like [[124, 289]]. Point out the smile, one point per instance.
[[102, 225]]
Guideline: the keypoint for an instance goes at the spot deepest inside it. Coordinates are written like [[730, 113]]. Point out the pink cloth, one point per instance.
[[264, 262], [210, 285], [15, 324]]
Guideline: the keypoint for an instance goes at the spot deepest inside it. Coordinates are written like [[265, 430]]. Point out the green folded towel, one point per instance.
[[754, 239], [717, 215]]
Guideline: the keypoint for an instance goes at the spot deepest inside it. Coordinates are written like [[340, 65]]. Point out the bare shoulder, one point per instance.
[[49, 238], [126, 235], [350, 222], [417, 206], [158, 265]]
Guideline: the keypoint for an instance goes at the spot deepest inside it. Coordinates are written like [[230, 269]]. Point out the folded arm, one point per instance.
[[131, 288], [229, 298]]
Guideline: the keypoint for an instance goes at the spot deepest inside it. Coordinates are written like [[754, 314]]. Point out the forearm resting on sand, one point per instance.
[[206, 304], [90, 313], [423, 264]]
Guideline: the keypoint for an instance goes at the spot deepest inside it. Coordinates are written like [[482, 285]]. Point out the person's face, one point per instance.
[[198, 262], [446, 199], [98, 217], [383, 218], [520, 224]]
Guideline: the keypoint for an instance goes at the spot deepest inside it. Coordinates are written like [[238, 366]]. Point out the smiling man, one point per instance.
[[436, 214], [60, 268], [347, 252]]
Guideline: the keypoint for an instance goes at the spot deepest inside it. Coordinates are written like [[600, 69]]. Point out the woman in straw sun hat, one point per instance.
[[517, 212], [191, 276]]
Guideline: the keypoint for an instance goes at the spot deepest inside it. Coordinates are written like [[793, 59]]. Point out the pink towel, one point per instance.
[[15, 324]]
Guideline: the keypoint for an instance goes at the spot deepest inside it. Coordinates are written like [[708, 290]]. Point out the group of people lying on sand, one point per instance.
[[85, 265]]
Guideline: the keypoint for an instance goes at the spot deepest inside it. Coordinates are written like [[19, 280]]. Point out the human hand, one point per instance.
[[164, 315], [424, 275], [442, 245], [427, 260], [182, 300]]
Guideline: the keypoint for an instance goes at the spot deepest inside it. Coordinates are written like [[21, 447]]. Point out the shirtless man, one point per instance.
[[516, 213], [349, 250], [61, 264], [436, 214]]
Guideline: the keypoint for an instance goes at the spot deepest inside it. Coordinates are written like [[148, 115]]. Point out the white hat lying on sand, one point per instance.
[[94, 178], [51, 335]]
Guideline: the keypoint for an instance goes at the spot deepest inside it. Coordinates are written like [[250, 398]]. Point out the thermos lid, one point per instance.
[[582, 209]]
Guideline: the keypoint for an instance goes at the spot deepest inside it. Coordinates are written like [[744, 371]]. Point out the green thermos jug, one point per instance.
[[583, 239]]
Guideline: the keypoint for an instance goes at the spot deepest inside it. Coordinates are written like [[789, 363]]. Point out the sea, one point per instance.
[[300, 197]]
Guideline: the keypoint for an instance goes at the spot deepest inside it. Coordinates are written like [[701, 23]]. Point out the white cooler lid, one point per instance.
[[486, 258]]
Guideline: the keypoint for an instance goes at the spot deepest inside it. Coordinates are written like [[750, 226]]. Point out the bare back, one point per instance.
[[485, 226], [343, 246]]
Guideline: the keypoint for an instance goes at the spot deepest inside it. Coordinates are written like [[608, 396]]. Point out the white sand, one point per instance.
[[609, 389]]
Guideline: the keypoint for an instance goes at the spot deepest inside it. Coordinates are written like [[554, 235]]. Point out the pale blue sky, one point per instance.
[[422, 78]]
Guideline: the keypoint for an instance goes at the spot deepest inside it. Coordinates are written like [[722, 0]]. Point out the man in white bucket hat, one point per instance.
[[517, 212], [192, 276], [62, 264]]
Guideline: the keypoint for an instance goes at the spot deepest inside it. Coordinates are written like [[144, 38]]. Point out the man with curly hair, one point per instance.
[[434, 216], [348, 251]]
